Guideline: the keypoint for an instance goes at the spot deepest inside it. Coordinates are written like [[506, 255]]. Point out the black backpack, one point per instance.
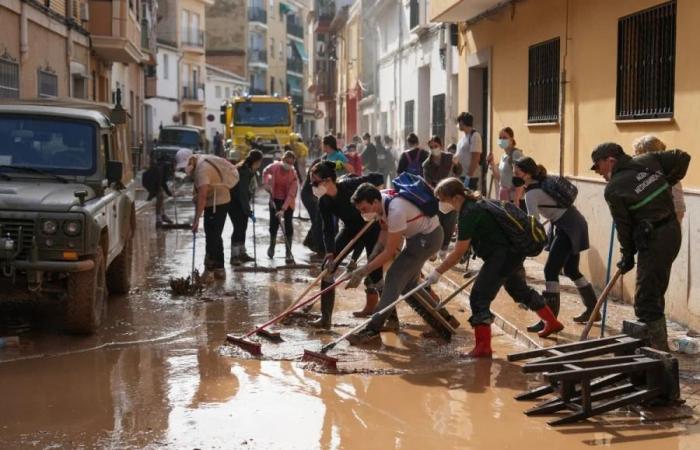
[[562, 191], [525, 233]]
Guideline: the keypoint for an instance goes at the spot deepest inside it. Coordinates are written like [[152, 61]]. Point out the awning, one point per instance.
[[300, 50]]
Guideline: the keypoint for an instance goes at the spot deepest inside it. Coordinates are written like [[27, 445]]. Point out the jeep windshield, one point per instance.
[[261, 114], [180, 138], [46, 146]]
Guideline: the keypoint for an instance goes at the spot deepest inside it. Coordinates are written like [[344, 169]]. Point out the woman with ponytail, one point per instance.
[[239, 210], [503, 266], [570, 238]]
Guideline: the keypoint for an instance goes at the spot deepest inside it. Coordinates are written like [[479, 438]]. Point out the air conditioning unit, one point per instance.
[[84, 12]]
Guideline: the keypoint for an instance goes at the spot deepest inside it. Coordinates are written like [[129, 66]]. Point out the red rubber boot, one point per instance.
[[551, 324], [482, 347]]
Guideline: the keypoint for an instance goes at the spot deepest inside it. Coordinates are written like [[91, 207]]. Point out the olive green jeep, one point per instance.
[[67, 215]]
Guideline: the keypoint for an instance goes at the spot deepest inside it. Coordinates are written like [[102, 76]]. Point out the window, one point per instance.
[[217, 91], [439, 116], [228, 92], [9, 78], [409, 108], [543, 82], [47, 84], [646, 47], [166, 66], [414, 14]]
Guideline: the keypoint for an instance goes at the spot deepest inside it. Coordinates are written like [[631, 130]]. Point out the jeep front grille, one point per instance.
[[12, 226]]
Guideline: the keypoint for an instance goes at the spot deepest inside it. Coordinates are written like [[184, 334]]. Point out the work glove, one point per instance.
[[433, 278], [328, 263], [626, 263], [279, 214], [352, 265], [356, 277]]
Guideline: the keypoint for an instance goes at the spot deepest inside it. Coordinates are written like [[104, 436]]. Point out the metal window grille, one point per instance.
[[409, 108], [9, 79], [646, 47], [543, 82], [48, 84], [414, 16], [439, 116]]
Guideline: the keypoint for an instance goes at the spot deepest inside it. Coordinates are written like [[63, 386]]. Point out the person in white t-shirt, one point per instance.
[[399, 220], [469, 150]]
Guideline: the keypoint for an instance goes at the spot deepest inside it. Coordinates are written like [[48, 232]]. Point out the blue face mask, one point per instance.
[[504, 143]]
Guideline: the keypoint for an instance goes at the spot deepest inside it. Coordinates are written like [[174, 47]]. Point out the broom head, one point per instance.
[[253, 348], [328, 362]]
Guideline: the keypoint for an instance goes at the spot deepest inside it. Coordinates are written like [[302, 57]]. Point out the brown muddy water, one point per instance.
[[159, 375]]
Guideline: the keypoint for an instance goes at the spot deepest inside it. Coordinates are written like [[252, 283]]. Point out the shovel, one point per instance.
[[599, 304]]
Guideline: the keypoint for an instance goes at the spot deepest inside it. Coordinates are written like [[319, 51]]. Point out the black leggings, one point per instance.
[[288, 229], [239, 220], [561, 257]]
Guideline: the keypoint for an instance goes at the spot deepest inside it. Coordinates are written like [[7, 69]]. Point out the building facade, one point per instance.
[[221, 85], [565, 86], [227, 35]]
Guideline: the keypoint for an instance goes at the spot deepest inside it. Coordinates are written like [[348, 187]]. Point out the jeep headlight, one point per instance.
[[49, 227], [72, 227]]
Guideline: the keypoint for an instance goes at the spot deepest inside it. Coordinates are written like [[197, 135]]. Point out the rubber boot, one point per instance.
[[551, 324], [482, 346], [392, 323], [235, 255], [589, 300], [271, 248], [551, 299], [244, 256], [658, 335], [371, 301], [288, 258], [327, 304]]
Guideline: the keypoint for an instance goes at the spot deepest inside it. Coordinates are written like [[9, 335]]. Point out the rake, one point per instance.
[[321, 357], [255, 348]]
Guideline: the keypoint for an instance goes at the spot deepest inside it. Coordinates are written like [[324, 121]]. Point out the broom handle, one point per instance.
[[455, 293], [194, 241], [403, 297], [337, 259], [599, 303], [285, 313]]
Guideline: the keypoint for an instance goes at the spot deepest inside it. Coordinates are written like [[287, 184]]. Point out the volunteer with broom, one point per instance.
[[569, 239], [240, 211], [400, 220], [335, 207], [503, 266], [280, 180]]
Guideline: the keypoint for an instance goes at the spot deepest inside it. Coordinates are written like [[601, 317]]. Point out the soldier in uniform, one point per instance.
[[639, 196]]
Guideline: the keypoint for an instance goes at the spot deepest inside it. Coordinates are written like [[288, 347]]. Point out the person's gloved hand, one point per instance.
[[626, 263], [328, 263], [442, 254], [339, 165], [279, 214], [356, 277], [252, 216], [352, 265], [433, 278]]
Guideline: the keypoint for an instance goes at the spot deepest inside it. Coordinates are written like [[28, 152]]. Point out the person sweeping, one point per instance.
[[280, 180], [240, 211], [341, 222], [503, 265]]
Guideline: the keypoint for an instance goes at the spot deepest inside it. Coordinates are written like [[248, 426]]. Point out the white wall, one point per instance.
[[167, 87], [213, 101]]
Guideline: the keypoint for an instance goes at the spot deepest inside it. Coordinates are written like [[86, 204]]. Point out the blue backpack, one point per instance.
[[414, 189]]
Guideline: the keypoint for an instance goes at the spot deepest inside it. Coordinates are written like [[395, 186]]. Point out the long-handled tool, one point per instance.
[[321, 356], [177, 225], [599, 304], [255, 348], [192, 283], [449, 298]]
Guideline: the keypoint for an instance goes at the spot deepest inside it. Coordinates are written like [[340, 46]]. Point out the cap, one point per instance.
[[606, 150], [182, 157]]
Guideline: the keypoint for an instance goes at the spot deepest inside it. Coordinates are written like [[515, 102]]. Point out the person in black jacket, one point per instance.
[[639, 196], [155, 181], [369, 154], [412, 160], [314, 237], [239, 210], [336, 208]]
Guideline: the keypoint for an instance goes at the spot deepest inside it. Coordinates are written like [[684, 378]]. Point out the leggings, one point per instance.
[[561, 257]]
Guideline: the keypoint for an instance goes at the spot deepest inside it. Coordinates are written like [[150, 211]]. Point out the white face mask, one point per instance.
[[445, 207], [287, 166], [436, 151], [370, 216], [318, 191]]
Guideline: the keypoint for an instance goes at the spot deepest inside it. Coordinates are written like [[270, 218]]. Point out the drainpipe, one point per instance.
[[562, 94], [23, 29], [447, 42], [397, 60]]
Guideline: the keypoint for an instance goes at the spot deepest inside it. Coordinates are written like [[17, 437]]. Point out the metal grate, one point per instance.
[[48, 84], [646, 47], [543, 82], [408, 114], [439, 116], [9, 79], [11, 227]]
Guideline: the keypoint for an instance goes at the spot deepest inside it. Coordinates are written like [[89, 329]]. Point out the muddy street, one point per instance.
[[159, 374]]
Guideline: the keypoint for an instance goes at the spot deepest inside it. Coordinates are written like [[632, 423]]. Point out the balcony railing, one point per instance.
[[257, 55], [295, 65], [193, 91], [257, 14], [295, 29], [192, 37]]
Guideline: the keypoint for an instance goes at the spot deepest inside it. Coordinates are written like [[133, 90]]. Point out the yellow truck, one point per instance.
[[264, 122]]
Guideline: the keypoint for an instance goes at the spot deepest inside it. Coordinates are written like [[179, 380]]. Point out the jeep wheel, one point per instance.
[[87, 297], [119, 272]]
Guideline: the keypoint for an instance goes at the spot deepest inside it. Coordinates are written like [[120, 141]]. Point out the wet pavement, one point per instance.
[[160, 375]]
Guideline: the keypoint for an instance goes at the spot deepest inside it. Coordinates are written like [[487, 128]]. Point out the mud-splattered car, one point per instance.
[[67, 214]]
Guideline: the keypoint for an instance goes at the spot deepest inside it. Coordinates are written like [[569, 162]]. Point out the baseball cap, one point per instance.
[[182, 157], [606, 150]]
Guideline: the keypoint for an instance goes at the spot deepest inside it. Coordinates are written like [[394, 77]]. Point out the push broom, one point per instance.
[[330, 362]]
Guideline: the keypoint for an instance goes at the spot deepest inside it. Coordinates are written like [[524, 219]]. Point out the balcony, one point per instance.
[[115, 32], [193, 92], [257, 14], [294, 28], [192, 37], [257, 56], [295, 65]]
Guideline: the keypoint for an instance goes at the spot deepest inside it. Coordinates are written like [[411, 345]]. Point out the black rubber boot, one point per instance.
[[589, 300], [658, 335], [271, 248], [551, 299], [288, 258], [327, 305]]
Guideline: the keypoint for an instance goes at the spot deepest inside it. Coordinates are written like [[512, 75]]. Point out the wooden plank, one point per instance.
[[593, 372]]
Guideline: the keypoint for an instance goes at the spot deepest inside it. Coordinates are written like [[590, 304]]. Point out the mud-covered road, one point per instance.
[[160, 375]]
